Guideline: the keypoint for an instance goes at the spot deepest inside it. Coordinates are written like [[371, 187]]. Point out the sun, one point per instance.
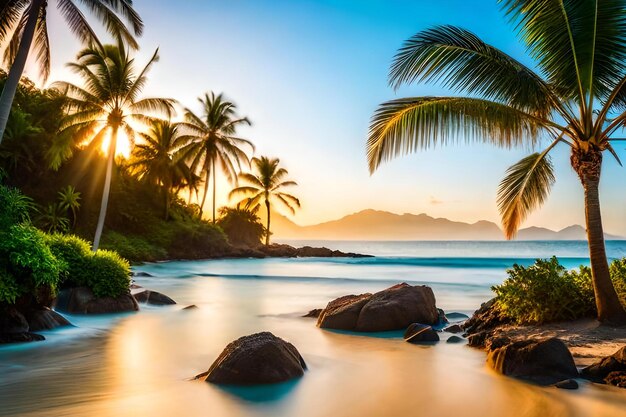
[[123, 147]]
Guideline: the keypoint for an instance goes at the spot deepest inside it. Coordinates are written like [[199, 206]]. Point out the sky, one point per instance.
[[310, 73]]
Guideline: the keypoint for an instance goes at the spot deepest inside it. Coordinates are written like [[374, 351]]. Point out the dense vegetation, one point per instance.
[[546, 291]]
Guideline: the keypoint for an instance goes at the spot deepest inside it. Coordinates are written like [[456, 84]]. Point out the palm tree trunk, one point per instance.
[[17, 68], [267, 232], [107, 188], [588, 166], [206, 190], [214, 188]]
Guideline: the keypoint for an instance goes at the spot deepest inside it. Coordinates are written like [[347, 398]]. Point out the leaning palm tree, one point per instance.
[[577, 100], [108, 104], [157, 161], [213, 142], [23, 24], [265, 185]]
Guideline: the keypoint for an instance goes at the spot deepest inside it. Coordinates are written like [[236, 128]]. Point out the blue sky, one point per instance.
[[309, 74]]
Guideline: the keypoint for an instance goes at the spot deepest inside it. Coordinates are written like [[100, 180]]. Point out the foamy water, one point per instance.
[[139, 364]]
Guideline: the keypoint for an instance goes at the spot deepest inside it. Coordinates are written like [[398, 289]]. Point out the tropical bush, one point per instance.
[[75, 253], [546, 291], [109, 274], [242, 227], [132, 247], [27, 266]]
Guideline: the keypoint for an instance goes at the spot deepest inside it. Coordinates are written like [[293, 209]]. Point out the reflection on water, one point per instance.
[[140, 364]]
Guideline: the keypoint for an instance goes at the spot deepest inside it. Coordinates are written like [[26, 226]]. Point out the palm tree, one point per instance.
[[265, 185], [108, 103], [578, 100], [158, 162], [213, 142], [52, 219], [69, 200], [25, 21]]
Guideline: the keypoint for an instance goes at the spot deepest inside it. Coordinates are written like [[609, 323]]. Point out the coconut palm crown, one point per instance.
[[108, 104], [24, 25], [576, 99], [265, 185], [213, 142]]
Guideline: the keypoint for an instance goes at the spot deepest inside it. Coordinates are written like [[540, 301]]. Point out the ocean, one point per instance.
[[140, 364]]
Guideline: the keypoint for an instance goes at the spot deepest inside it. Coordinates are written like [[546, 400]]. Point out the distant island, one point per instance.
[[382, 225]]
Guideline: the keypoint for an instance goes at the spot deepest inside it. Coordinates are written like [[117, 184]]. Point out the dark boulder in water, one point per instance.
[[420, 333], [191, 307], [455, 328], [616, 378], [153, 298], [260, 358], [455, 339], [141, 274], [545, 361], [20, 337], [45, 319], [394, 308], [315, 313], [81, 300], [14, 327], [567, 384]]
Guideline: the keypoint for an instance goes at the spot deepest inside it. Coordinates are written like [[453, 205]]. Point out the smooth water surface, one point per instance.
[[140, 364]]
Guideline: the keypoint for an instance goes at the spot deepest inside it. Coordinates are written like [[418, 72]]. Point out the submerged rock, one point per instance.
[[455, 328], [20, 337], [616, 378], [81, 300], [191, 307], [600, 370], [12, 321], [141, 274], [45, 319], [567, 384], [315, 313], [419, 333], [153, 298], [545, 362], [455, 339], [394, 308], [260, 358]]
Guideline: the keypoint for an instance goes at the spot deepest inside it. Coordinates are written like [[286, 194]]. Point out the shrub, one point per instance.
[[618, 275], [133, 248], [197, 240], [242, 226], [14, 207], [74, 252], [544, 292], [27, 266], [109, 274]]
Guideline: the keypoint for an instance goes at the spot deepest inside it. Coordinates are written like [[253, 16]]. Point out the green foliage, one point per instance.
[[242, 226], [27, 266], [109, 274], [74, 252], [53, 219], [14, 207], [132, 247], [546, 291]]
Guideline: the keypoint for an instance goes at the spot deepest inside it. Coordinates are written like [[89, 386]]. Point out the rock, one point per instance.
[[315, 313], [455, 339], [546, 361], [442, 320], [478, 339], [343, 312], [454, 317], [567, 384], [455, 328], [493, 343], [153, 298], [616, 378], [394, 308], [598, 371], [487, 317], [141, 274], [287, 251], [12, 322], [418, 333], [135, 286], [20, 337], [45, 319], [81, 300], [191, 307], [260, 358]]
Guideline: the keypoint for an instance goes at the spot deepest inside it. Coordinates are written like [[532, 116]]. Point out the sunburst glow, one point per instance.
[[123, 146]]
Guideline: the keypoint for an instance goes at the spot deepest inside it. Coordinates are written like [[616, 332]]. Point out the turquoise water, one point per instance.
[[139, 364]]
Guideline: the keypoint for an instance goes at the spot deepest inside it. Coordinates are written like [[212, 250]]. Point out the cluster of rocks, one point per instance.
[[545, 361], [20, 322], [276, 250]]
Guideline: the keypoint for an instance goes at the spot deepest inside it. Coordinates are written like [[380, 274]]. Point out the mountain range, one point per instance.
[[382, 225]]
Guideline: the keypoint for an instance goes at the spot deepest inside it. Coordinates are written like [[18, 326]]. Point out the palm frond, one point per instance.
[[525, 186], [406, 125]]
